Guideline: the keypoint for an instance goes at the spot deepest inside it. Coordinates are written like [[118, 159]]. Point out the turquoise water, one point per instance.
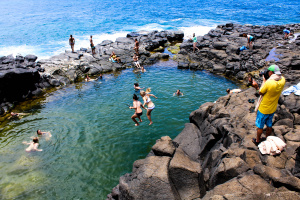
[[94, 140], [43, 27]]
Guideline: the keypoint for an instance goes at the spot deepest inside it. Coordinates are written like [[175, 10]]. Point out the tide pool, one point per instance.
[[94, 140]]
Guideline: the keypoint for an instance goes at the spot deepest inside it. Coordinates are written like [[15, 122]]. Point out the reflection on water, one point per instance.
[[94, 141]]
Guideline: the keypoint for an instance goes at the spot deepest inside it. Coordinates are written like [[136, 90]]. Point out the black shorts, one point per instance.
[[139, 114]]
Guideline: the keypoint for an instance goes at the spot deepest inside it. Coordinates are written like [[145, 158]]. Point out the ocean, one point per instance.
[[42, 27]]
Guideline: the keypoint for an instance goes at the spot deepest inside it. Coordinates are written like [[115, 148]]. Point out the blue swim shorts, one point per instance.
[[262, 119]]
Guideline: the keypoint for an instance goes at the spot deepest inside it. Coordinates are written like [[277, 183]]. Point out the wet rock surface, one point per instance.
[[214, 157]]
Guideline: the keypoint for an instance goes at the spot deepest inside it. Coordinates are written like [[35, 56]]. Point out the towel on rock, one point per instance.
[[294, 88], [272, 145]]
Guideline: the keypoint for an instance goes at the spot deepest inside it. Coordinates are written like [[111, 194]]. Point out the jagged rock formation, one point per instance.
[[213, 157], [218, 51]]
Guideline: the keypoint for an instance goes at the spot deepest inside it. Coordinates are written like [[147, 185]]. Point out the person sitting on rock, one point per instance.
[[250, 40], [233, 91], [252, 82], [33, 146], [39, 132], [178, 93], [287, 33], [92, 45], [136, 61], [114, 58], [87, 78], [17, 115]]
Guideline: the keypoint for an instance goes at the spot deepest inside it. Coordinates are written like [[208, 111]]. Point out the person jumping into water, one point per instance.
[[138, 111], [72, 43], [150, 105]]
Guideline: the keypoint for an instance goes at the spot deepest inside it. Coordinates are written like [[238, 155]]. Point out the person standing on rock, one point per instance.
[[136, 46], [271, 90], [194, 43], [72, 43], [92, 45], [150, 105], [250, 40], [138, 111]]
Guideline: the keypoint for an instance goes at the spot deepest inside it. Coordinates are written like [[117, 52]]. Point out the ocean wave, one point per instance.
[[51, 48], [198, 30]]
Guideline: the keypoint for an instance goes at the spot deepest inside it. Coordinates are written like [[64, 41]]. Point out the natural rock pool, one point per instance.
[[94, 141]]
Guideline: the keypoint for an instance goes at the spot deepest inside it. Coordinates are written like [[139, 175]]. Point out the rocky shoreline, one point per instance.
[[24, 77], [213, 157]]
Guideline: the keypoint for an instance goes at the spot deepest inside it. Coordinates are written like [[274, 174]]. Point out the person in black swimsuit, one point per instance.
[[138, 111]]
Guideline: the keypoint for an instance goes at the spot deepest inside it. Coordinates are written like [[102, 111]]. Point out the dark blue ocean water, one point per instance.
[[42, 27]]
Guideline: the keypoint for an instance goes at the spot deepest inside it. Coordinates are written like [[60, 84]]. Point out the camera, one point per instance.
[[265, 74]]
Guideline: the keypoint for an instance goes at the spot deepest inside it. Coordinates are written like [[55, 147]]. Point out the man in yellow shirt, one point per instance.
[[271, 90]]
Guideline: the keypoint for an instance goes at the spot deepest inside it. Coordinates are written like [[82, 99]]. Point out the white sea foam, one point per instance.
[[198, 30], [52, 48], [15, 50]]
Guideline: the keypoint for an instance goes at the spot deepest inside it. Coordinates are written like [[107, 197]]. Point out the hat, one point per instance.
[[275, 69]]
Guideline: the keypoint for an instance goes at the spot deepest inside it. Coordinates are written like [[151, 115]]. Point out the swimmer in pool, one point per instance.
[[150, 105], [33, 146], [178, 93], [143, 69], [137, 87], [138, 111], [40, 133]]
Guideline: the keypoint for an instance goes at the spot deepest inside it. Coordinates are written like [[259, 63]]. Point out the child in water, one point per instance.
[[138, 111], [33, 146]]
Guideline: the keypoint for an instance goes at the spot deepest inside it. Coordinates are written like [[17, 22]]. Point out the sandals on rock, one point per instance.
[[254, 141]]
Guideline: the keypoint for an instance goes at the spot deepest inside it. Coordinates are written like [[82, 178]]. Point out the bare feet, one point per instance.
[[150, 123], [140, 121], [136, 124]]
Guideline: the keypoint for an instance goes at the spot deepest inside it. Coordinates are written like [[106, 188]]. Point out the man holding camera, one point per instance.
[[270, 90]]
